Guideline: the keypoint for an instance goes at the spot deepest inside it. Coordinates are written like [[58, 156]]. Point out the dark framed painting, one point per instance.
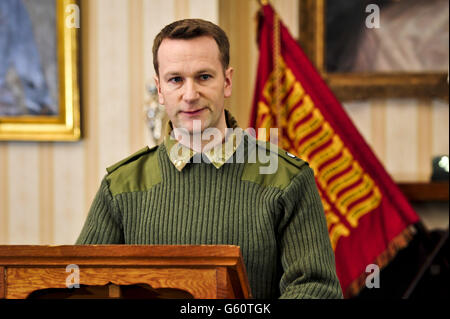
[[378, 48], [39, 70]]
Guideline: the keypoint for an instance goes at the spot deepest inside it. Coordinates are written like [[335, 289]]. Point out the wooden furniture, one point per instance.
[[203, 271], [425, 192]]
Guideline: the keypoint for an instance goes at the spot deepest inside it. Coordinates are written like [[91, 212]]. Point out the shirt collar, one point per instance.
[[181, 155]]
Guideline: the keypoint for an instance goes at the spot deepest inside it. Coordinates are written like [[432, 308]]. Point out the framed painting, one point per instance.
[[39, 70], [378, 48]]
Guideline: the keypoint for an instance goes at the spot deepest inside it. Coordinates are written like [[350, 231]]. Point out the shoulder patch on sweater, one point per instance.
[[130, 158], [285, 155], [138, 172], [285, 166], [291, 158]]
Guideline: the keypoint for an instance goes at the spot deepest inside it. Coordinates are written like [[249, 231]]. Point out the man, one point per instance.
[[208, 184]]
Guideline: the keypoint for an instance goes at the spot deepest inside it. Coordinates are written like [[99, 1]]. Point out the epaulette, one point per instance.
[[289, 157], [280, 175], [131, 158]]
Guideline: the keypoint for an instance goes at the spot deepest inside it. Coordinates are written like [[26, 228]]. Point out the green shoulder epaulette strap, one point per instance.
[[137, 172], [291, 158], [287, 167], [130, 158]]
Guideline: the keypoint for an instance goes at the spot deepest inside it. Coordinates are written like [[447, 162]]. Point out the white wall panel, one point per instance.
[[68, 193], [113, 82], [401, 139], [23, 177]]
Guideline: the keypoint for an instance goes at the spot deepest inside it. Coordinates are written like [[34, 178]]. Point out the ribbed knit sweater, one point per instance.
[[277, 220]]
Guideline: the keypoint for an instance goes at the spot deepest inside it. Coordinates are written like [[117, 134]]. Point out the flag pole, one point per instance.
[[277, 78], [276, 53]]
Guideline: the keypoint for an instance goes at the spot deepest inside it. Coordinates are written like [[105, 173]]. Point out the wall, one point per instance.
[[46, 188]]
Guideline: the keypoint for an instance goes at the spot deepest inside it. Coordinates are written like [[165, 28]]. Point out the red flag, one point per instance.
[[368, 217]]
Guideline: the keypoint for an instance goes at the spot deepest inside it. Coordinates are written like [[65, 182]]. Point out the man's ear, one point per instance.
[[158, 87], [228, 82]]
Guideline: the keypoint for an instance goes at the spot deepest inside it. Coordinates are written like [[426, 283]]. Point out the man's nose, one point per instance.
[[191, 93]]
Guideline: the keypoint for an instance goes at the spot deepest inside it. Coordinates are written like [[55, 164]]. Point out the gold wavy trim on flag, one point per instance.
[[334, 168], [317, 140], [325, 204], [299, 114], [295, 96], [286, 81], [364, 207], [289, 81], [263, 109], [285, 87], [268, 89], [287, 146], [264, 117], [331, 219], [336, 229], [336, 233], [327, 154], [314, 123], [347, 179], [354, 194]]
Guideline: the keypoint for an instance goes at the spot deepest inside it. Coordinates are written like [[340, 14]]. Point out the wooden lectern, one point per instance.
[[122, 271]]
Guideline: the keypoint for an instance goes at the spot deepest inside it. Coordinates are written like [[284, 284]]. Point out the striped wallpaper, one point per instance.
[[46, 188]]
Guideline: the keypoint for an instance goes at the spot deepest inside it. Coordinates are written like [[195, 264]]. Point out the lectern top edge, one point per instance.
[[120, 250]]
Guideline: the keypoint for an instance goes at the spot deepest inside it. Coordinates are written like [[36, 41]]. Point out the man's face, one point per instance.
[[191, 83]]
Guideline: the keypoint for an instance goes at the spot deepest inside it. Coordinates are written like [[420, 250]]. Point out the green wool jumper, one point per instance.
[[276, 219]]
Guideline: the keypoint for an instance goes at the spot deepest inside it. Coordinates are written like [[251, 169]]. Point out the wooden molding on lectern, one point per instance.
[[186, 271]]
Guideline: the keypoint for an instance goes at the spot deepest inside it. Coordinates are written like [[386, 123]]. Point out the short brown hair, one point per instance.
[[189, 29]]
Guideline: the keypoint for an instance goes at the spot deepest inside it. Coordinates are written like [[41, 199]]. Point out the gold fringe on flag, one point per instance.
[[398, 243]]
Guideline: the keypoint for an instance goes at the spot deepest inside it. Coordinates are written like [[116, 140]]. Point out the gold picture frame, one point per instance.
[[357, 86], [65, 126]]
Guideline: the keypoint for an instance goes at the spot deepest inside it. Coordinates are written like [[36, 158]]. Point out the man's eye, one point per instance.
[[205, 77], [175, 79]]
